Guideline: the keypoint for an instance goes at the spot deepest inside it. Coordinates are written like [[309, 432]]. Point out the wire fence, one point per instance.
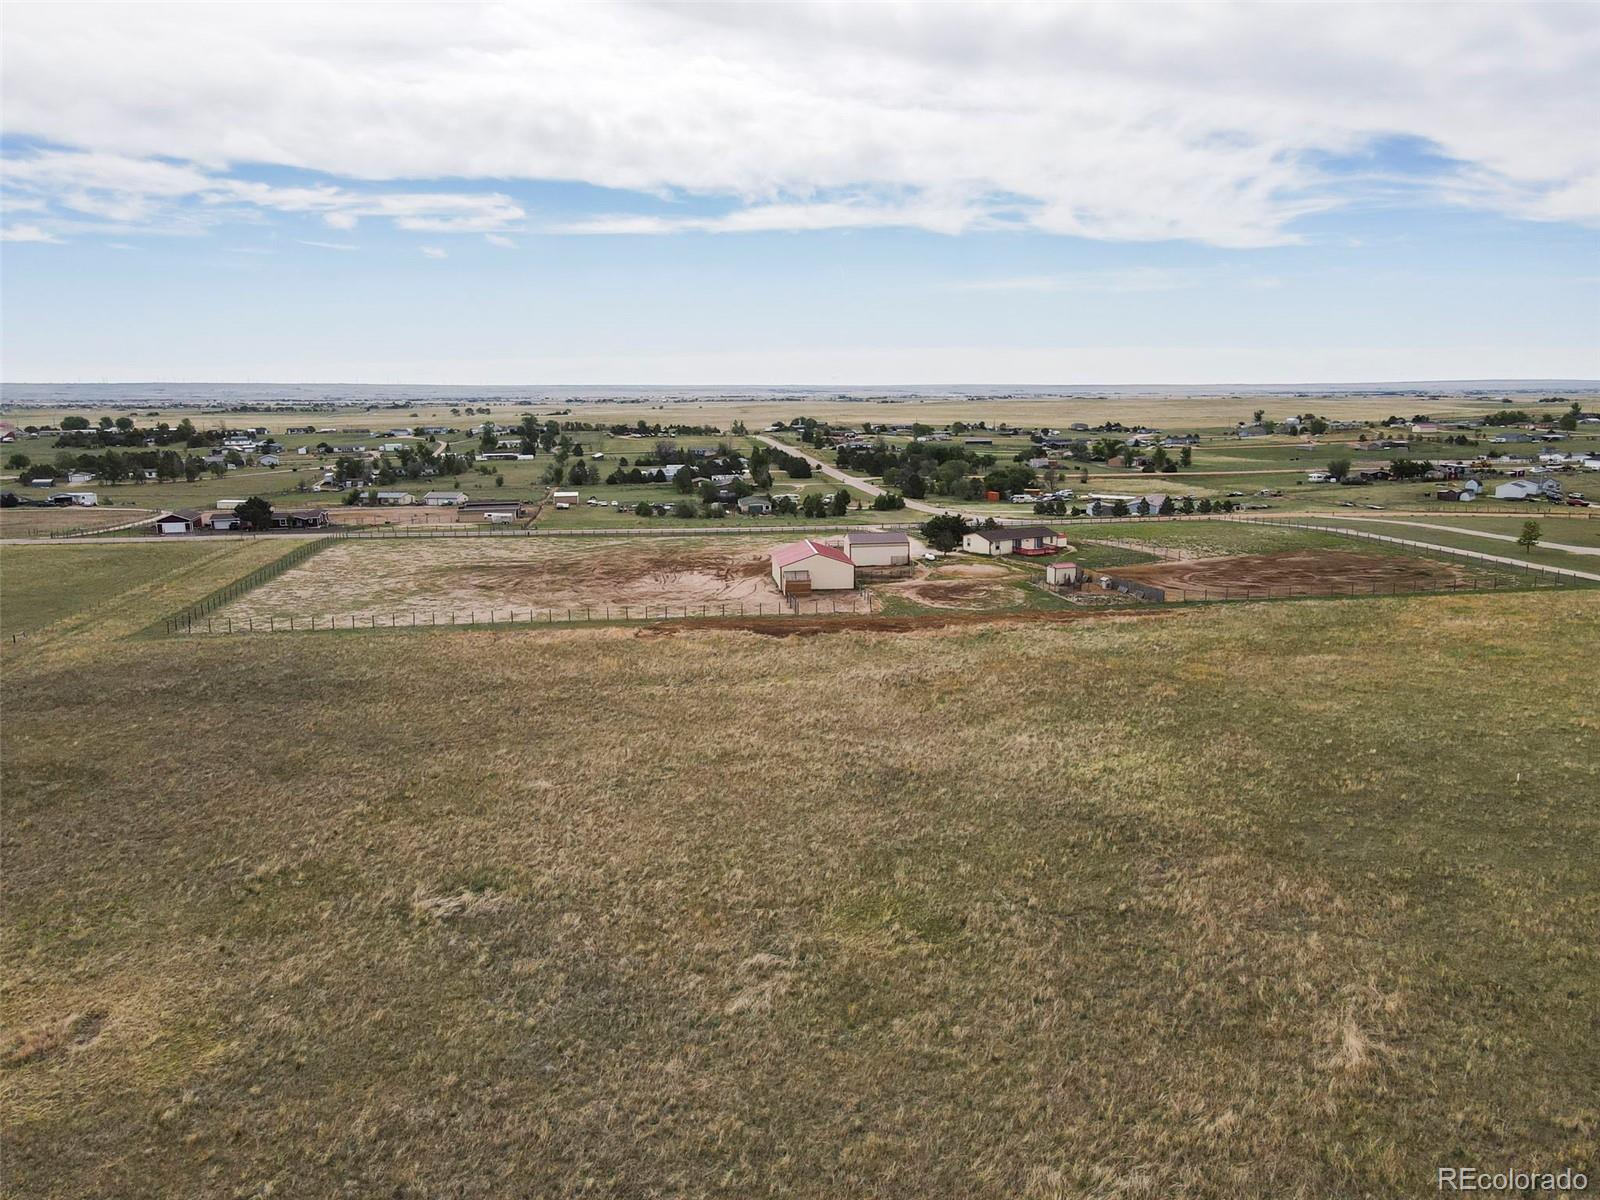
[[185, 620], [857, 604]]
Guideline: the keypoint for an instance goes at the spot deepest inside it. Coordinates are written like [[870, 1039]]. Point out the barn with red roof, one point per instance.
[[812, 566]]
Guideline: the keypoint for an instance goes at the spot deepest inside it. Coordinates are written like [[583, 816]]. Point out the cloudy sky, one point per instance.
[[832, 194]]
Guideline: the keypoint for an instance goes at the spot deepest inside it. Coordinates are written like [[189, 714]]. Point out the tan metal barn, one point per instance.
[[810, 566], [874, 548]]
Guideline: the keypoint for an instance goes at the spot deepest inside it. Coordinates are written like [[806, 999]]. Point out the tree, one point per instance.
[[74, 422], [255, 513], [1185, 456], [914, 486], [1338, 468], [17, 462], [643, 509], [1530, 535], [945, 531], [841, 503]]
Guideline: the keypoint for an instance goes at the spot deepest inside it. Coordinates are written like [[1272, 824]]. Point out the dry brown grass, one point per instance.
[[1073, 910]]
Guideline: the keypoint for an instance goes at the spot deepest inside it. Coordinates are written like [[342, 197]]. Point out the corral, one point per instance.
[[442, 575], [1298, 573]]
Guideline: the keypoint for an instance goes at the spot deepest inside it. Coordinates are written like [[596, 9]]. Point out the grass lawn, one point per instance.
[[1011, 911]]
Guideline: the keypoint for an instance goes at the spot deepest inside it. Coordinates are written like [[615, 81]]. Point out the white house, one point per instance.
[[444, 499], [872, 548], [396, 498], [812, 566], [1011, 539]]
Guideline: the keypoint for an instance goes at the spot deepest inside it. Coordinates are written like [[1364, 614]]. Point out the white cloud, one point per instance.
[[1211, 122], [499, 239], [434, 252], [26, 233], [328, 245]]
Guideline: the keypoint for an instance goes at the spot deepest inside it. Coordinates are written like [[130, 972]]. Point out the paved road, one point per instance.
[[1477, 533], [854, 481]]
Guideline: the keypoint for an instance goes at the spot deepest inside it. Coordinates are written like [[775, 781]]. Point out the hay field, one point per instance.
[[1011, 911], [367, 578]]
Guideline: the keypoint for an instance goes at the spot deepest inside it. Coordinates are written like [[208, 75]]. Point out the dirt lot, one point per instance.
[[478, 575], [1296, 573], [959, 586]]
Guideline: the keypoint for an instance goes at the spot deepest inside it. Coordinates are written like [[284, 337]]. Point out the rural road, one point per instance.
[[855, 481], [1478, 533]]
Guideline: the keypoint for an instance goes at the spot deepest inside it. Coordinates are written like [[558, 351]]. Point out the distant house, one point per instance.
[[564, 499], [444, 499], [1528, 489], [802, 567], [755, 506], [221, 521], [1011, 539], [184, 520], [267, 460], [76, 477], [400, 498], [874, 548], [300, 518]]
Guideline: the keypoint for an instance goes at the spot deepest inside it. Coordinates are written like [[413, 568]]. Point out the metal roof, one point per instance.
[[874, 537], [785, 556]]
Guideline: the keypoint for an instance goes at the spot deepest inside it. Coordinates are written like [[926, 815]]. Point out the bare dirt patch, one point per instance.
[[516, 575], [1296, 573]]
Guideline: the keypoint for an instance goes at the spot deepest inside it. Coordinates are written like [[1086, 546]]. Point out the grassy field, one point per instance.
[[1463, 539], [1059, 911], [40, 585]]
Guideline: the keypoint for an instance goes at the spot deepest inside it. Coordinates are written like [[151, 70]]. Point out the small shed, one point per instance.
[[802, 567], [564, 499], [754, 506], [444, 499], [1063, 574], [877, 548]]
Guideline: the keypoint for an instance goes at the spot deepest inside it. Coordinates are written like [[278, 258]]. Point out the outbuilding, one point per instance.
[[877, 548], [444, 499], [1063, 574], [184, 520], [564, 499], [754, 506], [811, 566], [400, 498]]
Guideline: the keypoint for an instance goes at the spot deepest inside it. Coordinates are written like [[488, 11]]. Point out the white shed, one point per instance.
[[877, 548], [812, 566]]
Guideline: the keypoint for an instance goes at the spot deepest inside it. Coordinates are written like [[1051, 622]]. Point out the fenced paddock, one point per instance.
[[855, 605]]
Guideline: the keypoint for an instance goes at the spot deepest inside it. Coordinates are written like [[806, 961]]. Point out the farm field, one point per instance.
[[1575, 531], [1053, 925], [40, 585], [378, 578], [1464, 539], [1302, 573], [42, 522]]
